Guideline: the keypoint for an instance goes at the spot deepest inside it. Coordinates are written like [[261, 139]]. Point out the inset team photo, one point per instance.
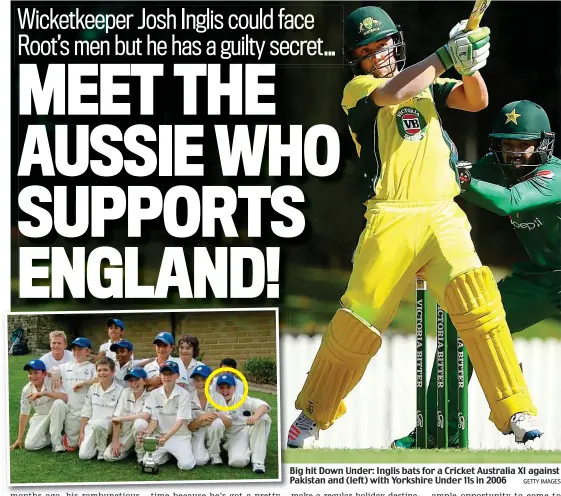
[[138, 397]]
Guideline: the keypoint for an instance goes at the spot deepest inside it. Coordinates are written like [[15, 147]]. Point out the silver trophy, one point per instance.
[[148, 464]]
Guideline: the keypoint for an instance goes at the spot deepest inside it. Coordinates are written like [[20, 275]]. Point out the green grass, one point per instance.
[[418, 456], [43, 466]]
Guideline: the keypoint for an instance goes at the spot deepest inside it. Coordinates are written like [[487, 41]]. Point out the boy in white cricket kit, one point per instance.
[[125, 361], [58, 354], [163, 346], [169, 407], [249, 433], [229, 362], [45, 427], [209, 424], [100, 404], [77, 376], [129, 418], [115, 331], [189, 349]]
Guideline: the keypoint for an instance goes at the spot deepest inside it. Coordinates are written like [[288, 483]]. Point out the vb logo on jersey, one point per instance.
[[411, 124]]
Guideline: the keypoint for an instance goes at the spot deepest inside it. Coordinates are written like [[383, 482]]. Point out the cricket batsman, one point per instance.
[[413, 226], [520, 178]]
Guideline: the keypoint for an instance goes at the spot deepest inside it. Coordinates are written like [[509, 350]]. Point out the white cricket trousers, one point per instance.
[[206, 441], [72, 428], [46, 429], [96, 436], [128, 443], [179, 447], [248, 442]]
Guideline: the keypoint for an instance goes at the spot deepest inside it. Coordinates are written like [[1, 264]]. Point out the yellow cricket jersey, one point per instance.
[[403, 147]]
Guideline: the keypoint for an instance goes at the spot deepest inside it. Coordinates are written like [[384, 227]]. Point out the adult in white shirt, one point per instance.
[[58, 354]]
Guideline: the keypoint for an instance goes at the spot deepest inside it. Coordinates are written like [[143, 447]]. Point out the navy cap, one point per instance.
[[164, 337], [35, 365], [171, 366], [136, 373], [81, 343], [226, 379], [117, 322], [201, 370], [122, 343]]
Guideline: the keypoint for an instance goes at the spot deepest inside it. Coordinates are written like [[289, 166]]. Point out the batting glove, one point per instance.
[[469, 51], [464, 175], [458, 29]]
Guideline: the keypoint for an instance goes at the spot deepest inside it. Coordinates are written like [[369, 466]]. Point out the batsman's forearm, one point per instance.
[[409, 83], [476, 92]]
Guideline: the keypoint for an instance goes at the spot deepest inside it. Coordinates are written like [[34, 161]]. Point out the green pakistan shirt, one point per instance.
[[533, 206]]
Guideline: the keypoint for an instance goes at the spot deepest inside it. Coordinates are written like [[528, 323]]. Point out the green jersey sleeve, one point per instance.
[[541, 189], [487, 170], [441, 88]]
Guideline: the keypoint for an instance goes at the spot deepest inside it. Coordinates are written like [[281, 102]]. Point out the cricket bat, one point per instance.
[[477, 14]]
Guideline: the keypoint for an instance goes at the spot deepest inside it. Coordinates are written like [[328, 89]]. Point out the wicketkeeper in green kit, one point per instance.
[[519, 178]]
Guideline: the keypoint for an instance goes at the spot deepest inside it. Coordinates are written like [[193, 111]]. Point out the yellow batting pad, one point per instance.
[[474, 304], [346, 348], [341, 410]]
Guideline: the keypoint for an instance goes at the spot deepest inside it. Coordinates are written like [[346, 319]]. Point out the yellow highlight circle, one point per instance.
[[218, 372]]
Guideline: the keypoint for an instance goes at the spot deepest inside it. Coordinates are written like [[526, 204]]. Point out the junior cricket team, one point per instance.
[[104, 405]]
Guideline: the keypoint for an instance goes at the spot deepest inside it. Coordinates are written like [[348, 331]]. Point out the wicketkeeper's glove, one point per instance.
[[464, 175]]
